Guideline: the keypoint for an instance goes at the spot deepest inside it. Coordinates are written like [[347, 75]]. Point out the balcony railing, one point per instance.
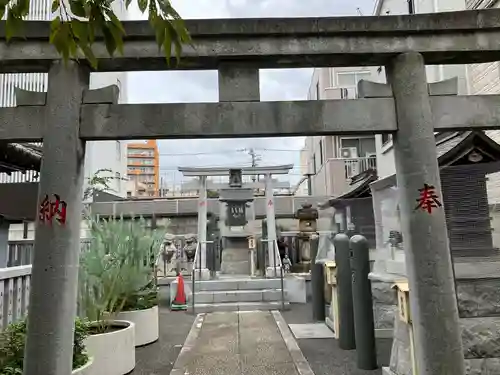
[[19, 177], [339, 173], [356, 166], [341, 93], [15, 286]]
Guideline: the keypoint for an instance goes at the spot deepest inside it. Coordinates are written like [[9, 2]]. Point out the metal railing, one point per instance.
[[196, 260], [356, 166], [21, 252], [14, 295], [19, 177], [276, 257]]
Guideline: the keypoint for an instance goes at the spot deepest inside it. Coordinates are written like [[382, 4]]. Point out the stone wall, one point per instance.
[[479, 308], [384, 304], [478, 297], [481, 341], [480, 338]]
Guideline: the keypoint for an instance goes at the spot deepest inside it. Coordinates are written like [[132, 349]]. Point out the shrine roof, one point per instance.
[[358, 188], [19, 157], [453, 146]]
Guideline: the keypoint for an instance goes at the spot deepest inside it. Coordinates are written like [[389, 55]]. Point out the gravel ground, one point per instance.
[[159, 357], [324, 355]]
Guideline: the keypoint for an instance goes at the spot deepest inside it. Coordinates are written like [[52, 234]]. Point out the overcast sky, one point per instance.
[[201, 86]]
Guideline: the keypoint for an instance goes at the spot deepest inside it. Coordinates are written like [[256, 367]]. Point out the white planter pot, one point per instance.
[[147, 327], [85, 369], [113, 352]]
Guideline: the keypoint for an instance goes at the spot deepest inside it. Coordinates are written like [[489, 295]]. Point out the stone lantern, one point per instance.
[[308, 222]]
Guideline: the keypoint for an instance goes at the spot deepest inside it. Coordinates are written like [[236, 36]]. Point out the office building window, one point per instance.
[[350, 80], [346, 79]]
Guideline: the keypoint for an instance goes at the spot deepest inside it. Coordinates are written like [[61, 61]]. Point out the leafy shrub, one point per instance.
[[117, 270], [13, 339]]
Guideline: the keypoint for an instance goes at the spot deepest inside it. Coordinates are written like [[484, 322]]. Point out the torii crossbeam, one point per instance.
[[64, 118]]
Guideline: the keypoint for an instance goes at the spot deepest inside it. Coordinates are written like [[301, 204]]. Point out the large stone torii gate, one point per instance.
[[68, 115]]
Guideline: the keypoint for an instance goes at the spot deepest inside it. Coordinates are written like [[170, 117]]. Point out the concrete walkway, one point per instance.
[[244, 343]]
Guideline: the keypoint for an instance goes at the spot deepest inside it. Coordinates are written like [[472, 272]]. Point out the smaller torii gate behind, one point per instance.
[[267, 172]]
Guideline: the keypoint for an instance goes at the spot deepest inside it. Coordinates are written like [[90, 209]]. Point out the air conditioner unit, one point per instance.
[[353, 169], [349, 153]]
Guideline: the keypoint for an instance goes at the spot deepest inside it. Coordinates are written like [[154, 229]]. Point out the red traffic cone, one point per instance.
[[179, 302]]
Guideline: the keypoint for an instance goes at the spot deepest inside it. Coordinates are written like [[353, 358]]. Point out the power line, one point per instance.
[[225, 152]]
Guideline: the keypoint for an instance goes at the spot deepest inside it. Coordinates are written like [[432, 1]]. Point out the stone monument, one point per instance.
[[234, 201]]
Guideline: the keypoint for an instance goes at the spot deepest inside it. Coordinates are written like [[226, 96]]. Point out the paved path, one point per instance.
[[245, 343], [324, 355]]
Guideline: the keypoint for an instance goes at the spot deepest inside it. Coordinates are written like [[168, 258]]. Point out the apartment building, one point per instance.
[[143, 169], [101, 155], [484, 79], [333, 160], [385, 155]]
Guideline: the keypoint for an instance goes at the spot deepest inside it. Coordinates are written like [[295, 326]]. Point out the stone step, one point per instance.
[[237, 284], [262, 295], [238, 306]]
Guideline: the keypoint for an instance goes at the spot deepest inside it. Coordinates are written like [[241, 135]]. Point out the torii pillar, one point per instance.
[[433, 301], [273, 267], [54, 278]]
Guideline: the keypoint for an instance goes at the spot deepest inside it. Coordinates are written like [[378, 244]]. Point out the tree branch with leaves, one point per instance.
[[99, 182], [77, 23]]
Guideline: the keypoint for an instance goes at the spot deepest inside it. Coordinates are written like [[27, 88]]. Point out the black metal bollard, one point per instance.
[[363, 306], [211, 258], [317, 283], [346, 333]]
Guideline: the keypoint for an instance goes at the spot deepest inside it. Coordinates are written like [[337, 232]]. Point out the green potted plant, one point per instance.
[[140, 293], [12, 342], [117, 291]]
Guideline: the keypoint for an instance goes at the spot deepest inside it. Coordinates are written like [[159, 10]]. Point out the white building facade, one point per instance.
[[333, 160], [484, 79], [109, 155], [384, 151]]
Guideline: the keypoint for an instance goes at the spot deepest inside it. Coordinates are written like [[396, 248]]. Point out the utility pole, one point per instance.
[[255, 159]]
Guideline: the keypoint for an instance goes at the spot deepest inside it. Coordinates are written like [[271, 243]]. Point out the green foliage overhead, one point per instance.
[[76, 24], [13, 339], [117, 270]]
